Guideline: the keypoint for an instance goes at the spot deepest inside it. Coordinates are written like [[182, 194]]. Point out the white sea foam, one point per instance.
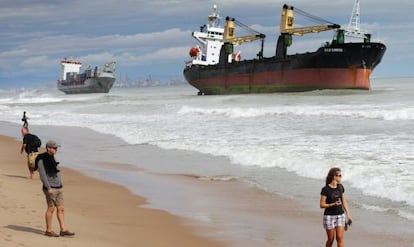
[[394, 113], [401, 212], [406, 214]]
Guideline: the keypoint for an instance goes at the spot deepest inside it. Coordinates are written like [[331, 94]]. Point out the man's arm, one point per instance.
[[42, 174], [22, 148]]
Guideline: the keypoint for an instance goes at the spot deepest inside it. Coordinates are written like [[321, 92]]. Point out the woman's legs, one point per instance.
[[330, 234], [340, 236]]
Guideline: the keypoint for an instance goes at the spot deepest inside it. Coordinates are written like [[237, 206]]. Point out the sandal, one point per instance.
[[66, 233], [51, 234]]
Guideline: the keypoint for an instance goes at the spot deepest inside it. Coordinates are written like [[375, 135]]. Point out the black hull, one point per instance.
[[335, 66]]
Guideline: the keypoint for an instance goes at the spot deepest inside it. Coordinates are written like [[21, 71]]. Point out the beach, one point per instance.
[[101, 213]]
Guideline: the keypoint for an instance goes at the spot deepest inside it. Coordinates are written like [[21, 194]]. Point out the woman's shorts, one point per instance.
[[333, 221]]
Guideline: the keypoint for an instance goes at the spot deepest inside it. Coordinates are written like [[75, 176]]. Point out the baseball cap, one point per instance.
[[52, 144]]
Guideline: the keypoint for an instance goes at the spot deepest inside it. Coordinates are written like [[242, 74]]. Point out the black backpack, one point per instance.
[[36, 141]]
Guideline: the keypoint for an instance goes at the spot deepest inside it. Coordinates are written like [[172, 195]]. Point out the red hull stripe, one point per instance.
[[300, 78]]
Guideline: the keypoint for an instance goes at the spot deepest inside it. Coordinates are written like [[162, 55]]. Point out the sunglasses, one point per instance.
[[338, 175]]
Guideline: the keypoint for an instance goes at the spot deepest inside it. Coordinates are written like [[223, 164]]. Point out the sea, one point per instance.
[[282, 143]]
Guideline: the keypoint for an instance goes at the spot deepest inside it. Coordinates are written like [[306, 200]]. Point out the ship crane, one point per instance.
[[287, 28], [287, 23], [109, 67], [230, 39], [230, 35]]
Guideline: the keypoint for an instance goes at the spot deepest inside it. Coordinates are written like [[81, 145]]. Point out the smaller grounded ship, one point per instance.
[[216, 68], [91, 80]]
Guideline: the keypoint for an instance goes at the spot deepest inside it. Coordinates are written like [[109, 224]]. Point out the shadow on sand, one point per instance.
[[24, 229], [15, 176]]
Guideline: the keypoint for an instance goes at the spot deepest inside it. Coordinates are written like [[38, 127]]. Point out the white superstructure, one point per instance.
[[210, 38], [69, 66]]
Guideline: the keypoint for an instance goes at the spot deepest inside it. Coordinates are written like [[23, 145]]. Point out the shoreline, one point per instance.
[[263, 219]]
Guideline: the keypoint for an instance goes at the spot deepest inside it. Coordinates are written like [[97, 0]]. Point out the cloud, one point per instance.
[[140, 34], [35, 62]]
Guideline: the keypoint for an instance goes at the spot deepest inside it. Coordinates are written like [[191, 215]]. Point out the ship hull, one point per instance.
[[90, 85], [339, 66]]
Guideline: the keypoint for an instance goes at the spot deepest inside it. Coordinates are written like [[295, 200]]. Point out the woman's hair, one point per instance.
[[331, 174]]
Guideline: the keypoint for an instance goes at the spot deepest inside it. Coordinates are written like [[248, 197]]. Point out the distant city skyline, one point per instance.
[[153, 38], [126, 81]]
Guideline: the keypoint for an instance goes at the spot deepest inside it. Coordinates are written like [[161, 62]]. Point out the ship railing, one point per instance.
[[189, 63]]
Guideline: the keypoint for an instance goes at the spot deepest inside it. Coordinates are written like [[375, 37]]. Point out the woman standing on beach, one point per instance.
[[334, 202]]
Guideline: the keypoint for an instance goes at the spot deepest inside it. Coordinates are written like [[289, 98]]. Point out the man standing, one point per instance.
[[52, 188], [24, 119], [30, 144]]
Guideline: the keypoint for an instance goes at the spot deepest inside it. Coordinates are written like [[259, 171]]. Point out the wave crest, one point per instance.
[[367, 111]]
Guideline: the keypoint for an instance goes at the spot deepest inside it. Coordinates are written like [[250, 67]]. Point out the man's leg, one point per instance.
[[61, 217], [49, 217]]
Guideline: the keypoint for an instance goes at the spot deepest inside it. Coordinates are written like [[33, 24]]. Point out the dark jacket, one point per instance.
[[48, 171]]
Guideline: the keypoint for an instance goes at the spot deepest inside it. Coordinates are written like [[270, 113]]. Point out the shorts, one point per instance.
[[55, 199], [31, 159], [333, 221]]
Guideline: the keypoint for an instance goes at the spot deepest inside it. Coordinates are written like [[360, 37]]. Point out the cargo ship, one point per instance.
[[96, 80], [215, 68]]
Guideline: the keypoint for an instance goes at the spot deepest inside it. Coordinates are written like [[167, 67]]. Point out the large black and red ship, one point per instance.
[[216, 69]]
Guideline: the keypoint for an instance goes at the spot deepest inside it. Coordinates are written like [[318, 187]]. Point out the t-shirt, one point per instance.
[[333, 195], [31, 143]]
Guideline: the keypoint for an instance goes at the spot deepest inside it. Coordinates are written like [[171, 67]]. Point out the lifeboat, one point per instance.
[[193, 52]]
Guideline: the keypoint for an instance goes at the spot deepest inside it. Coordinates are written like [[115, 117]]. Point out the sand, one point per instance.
[[101, 214]]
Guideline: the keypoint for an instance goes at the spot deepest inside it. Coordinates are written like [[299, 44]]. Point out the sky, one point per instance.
[[152, 39]]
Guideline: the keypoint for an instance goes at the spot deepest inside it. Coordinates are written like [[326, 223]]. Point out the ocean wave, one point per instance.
[[32, 97], [400, 212], [368, 111], [307, 162]]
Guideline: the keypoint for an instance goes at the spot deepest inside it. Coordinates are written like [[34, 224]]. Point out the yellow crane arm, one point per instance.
[[229, 35], [309, 29], [287, 24], [243, 39]]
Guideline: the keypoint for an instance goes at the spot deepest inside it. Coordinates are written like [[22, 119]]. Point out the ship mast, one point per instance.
[[214, 18], [353, 29]]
